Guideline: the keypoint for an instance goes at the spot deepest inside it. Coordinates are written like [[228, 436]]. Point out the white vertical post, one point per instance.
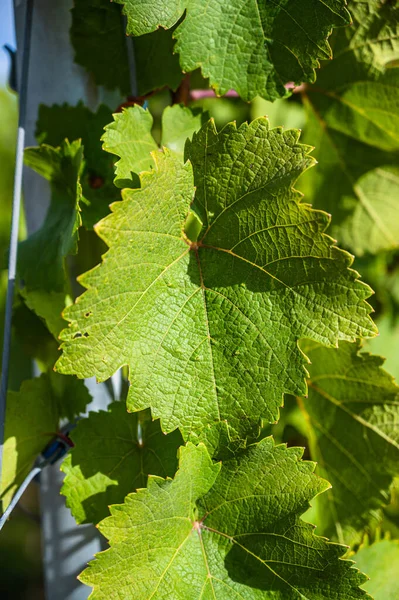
[[54, 78]]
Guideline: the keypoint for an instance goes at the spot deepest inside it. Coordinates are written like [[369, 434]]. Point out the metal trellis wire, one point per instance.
[[16, 206], [55, 449]]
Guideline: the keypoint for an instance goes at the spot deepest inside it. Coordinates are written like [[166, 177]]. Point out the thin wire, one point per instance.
[[53, 452], [16, 498], [16, 206]]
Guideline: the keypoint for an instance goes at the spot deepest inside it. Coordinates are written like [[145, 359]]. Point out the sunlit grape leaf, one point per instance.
[[32, 419], [223, 531], [57, 122], [179, 123], [100, 44], [113, 454], [209, 326], [353, 416], [41, 258], [380, 562], [129, 137], [252, 47], [353, 121]]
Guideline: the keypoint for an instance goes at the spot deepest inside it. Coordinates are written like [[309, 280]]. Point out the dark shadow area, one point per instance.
[[124, 447]]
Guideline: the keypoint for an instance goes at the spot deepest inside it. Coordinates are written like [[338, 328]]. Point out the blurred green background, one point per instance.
[[20, 544]]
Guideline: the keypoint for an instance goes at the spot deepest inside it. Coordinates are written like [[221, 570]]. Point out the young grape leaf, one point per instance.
[[380, 562], [353, 415], [113, 454], [221, 532], [41, 258], [57, 122], [99, 40], [32, 419], [252, 47], [179, 123], [353, 120], [209, 327], [129, 137]]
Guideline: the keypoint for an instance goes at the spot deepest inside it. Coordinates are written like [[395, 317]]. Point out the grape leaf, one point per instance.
[[179, 123], [252, 47], [156, 63], [41, 402], [113, 454], [97, 35], [57, 122], [353, 415], [41, 258], [33, 337], [99, 44], [353, 120], [222, 532], [70, 394], [129, 137], [380, 561], [209, 327]]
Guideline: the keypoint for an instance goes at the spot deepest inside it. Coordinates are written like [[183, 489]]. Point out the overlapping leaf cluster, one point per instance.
[[186, 356], [215, 273], [252, 47]]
